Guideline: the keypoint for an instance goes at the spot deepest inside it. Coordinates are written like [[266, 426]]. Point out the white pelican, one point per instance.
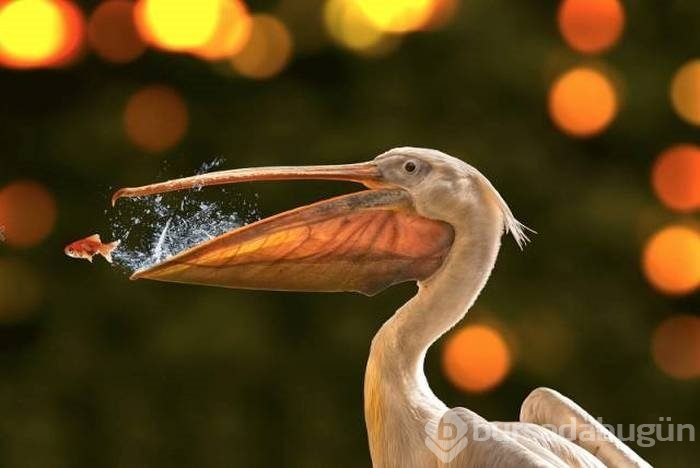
[[427, 217]]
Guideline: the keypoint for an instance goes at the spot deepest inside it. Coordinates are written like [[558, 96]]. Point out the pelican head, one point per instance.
[[445, 188], [401, 229]]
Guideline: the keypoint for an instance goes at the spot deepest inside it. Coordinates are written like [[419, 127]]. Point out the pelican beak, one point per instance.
[[363, 242], [365, 173]]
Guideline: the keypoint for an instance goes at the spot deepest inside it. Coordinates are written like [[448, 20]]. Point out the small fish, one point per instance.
[[91, 246]]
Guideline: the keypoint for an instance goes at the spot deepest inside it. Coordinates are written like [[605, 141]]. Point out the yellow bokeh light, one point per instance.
[[27, 213], [397, 16], [583, 102], [675, 347], [178, 25], [267, 51], [349, 26], [156, 118], [32, 33], [476, 358], [671, 260], [676, 177], [112, 33], [685, 92], [232, 32], [591, 26]]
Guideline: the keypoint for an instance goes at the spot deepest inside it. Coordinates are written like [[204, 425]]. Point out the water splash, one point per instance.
[[158, 250], [153, 229]]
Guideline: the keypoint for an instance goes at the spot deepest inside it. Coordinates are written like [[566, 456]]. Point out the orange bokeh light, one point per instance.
[[267, 51], [156, 118], [73, 33], [583, 102], [441, 13], [112, 33], [591, 26], [685, 92], [676, 177], [476, 358], [39, 33], [27, 213], [232, 32], [671, 260], [675, 347]]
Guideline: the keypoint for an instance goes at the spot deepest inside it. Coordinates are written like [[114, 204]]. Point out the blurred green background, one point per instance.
[[96, 370]]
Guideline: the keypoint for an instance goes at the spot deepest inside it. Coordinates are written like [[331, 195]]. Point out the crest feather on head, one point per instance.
[[510, 225]]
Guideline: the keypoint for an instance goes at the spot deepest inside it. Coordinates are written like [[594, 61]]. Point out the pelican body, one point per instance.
[[425, 217]]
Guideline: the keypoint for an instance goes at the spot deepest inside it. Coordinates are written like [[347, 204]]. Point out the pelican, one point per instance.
[[427, 217]]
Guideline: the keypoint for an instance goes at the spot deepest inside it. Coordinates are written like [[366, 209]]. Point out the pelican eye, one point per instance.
[[409, 166]]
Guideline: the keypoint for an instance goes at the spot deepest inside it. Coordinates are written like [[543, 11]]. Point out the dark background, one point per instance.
[[108, 372]]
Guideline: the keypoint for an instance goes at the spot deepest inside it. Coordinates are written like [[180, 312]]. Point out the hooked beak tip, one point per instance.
[[117, 195]]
